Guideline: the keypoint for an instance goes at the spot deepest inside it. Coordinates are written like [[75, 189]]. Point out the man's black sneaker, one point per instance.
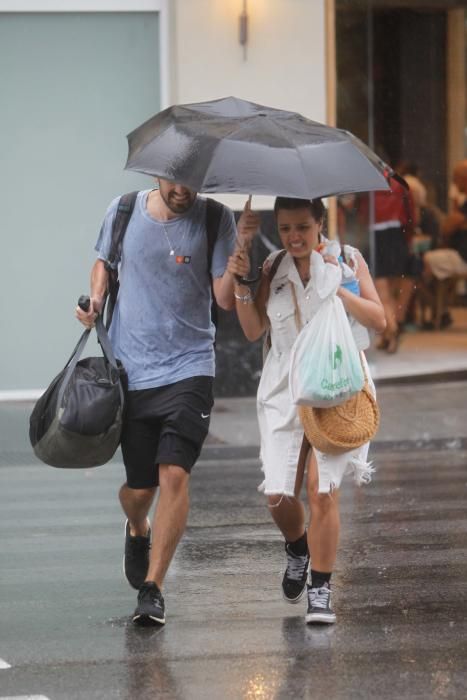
[[150, 609], [319, 606], [136, 557], [294, 581]]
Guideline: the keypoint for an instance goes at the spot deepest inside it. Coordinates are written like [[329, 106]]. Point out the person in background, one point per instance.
[[451, 259], [393, 223]]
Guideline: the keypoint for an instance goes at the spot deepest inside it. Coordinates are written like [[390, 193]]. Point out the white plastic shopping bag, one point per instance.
[[325, 365]]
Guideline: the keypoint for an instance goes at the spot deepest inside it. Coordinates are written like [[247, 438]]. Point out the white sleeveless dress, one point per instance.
[[280, 429]]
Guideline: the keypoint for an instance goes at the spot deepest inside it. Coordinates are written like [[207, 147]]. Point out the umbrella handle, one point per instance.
[[243, 280], [248, 282]]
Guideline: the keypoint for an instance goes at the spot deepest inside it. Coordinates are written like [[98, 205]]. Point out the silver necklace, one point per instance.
[[171, 247]]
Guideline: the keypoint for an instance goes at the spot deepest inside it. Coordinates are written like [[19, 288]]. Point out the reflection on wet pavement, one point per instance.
[[399, 591]]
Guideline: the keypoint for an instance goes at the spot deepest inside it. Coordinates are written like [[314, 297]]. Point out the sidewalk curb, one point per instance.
[[211, 453], [434, 378]]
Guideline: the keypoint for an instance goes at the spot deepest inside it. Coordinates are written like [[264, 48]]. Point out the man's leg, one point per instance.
[[168, 526], [169, 519], [139, 445], [184, 408], [136, 504]]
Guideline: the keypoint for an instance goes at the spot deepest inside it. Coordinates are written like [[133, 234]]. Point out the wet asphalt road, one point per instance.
[[399, 588]]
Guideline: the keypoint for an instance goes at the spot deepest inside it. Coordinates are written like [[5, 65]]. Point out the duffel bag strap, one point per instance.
[[79, 347], [105, 342], [77, 352]]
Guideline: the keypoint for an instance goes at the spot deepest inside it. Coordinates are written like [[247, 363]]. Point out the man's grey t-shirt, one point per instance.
[[161, 327]]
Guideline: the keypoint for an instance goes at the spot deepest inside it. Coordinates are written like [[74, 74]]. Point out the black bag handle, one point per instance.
[[84, 303], [77, 352]]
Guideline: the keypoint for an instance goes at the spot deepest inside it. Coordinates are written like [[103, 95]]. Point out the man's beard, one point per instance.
[[178, 207]]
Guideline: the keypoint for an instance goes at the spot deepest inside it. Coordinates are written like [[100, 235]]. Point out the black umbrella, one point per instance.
[[230, 145]]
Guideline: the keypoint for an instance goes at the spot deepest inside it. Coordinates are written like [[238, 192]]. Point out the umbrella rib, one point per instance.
[[302, 165]]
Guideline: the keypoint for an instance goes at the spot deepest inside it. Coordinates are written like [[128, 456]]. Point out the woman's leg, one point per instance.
[[389, 340], [323, 531], [323, 537], [404, 288], [288, 513]]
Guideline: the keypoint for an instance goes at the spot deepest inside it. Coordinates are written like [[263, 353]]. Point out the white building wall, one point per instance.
[[200, 58], [285, 63]]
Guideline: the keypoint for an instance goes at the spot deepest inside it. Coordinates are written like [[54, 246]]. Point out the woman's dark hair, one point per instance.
[[315, 206]]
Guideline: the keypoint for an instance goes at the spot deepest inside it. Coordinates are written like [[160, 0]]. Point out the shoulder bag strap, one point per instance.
[[275, 264], [272, 271], [298, 317]]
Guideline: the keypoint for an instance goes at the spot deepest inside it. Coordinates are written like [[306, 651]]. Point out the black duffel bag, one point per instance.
[[77, 422]]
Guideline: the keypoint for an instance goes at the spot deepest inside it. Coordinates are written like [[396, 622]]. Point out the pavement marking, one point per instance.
[[24, 697], [4, 664]]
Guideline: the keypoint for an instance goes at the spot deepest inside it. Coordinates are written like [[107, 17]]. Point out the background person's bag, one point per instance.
[[77, 422]]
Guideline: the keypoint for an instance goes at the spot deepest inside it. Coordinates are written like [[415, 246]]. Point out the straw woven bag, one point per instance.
[[341, 428]]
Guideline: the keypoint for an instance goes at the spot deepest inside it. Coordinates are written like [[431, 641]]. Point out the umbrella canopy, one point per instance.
[[230, 145]]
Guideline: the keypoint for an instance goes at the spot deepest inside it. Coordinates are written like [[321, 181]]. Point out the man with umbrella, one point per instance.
[[163, 334]]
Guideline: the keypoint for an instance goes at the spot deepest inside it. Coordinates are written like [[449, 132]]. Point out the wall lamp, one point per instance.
[[243, 29]]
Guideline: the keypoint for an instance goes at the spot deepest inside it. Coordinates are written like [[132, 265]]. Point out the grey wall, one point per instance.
[[71, 87]]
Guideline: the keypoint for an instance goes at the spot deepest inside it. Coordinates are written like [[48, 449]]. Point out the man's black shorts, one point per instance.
[[165, 425]]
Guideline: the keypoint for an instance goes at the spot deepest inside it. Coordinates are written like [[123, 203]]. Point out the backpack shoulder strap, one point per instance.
[[275, 264], [125, 209], [213, 221], [272, 271]]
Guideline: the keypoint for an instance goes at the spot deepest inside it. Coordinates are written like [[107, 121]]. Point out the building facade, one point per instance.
[[77, 75]]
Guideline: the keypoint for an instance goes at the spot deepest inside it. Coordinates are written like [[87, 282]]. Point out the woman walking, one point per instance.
[[287, 291]]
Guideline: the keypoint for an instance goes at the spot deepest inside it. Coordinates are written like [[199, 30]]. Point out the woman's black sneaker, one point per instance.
[[136, 557], [294, 581], [150, 609], [319, 606]]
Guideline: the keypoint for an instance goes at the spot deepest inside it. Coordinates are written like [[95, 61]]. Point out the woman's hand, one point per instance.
[[239, 263], [247, 225], [330, 259]]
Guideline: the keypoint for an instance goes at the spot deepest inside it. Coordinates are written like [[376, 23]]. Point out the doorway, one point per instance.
[[391, 83]]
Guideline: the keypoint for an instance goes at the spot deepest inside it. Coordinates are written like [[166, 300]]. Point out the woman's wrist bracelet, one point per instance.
[[244, 298]]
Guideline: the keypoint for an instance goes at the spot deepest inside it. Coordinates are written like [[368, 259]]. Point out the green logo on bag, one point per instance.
[[341, 384], [337, 357]]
